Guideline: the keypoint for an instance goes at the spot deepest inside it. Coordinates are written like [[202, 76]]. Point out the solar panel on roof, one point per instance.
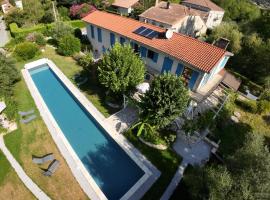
[[146, 32], [139, 30], [152, 35]]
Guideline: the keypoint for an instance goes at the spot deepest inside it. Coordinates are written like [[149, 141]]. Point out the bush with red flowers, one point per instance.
[[81, 10]]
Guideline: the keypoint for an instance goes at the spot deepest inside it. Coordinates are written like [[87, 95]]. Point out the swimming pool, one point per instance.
[[112, 169]]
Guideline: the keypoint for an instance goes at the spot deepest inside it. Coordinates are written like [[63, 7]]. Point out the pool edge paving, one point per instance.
[[83, 177]]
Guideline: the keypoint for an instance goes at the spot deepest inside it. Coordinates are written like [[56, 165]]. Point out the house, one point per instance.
[[7, 6], [124, 7], [176, 17], [196, 61], [210, 12]]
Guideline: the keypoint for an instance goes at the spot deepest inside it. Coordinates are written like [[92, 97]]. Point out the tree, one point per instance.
[[8, 75], [60, 29], [33, 10], [262, 25], [15, 16], [231, 32], [254, 59], [64, 13], [121, 69], [81, 10], [239, 10], [166, 100], [68, 45]]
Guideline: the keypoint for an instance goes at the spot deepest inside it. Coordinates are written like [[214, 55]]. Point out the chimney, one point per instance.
[[168, 5]]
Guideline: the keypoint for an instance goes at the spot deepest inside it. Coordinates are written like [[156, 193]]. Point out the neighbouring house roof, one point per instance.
[[171, 16], [199, 54], [124, 3], [205, 3]]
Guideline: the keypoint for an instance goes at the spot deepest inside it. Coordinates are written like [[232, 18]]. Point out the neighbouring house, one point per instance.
[[176, 17], [209, 11], [7, 6], [197, 62], [124, 7]]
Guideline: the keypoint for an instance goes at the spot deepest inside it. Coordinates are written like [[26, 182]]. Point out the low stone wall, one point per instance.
[[155, 146]]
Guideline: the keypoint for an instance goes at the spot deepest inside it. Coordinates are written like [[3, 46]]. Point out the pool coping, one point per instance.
[[79, 171]]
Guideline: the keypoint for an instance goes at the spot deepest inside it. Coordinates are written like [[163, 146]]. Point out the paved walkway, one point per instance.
[[39, 194], [195, 152], [123, 119], [175, 181], [4, 37]]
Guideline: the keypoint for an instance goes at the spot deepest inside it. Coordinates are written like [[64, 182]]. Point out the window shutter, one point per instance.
[[112, 37], [99, 35], [155, 59], [167, 65], [143, 51], [193, 79], [92, 31], [179, 69]]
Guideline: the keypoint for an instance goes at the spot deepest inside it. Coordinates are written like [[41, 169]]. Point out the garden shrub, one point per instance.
[[26, 50], [81, 10], [247, 105], [40, 39], [68, 45], [86, 61], [263, 106]]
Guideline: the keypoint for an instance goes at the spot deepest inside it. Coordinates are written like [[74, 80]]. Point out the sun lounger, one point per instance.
[[29, 119], [41, 160], [26, 113], [52, 168]]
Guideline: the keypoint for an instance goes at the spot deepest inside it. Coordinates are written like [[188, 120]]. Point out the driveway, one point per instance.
[[4, 36]]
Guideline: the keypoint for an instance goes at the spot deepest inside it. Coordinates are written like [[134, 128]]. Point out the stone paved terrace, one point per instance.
[[123, 119]]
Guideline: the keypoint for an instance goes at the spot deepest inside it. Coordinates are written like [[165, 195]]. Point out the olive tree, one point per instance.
[[120, 70], [166, 100]]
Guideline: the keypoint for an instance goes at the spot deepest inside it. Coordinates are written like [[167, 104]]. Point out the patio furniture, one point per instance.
[[52, 168], [29, 119], [22, 113], [43, 159], [2, 106]]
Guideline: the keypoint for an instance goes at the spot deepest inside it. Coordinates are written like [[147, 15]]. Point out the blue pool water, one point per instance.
[[112, 169]]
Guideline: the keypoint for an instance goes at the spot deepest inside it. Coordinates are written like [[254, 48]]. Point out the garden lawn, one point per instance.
[[11, 186], [35, 139], [232, 135], [166, 161]]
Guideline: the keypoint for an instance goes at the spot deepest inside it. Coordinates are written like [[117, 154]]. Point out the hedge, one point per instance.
[[16, 31]]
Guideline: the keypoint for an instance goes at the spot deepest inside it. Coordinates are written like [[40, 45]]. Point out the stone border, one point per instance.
[[85, 180], [155, 146]]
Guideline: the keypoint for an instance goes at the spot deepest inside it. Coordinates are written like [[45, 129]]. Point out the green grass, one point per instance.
[[5, 167], [166, 161]]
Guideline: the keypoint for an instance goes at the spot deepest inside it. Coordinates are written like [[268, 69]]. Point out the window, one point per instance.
[[136, 47], [112, 37], [122, 40], [92, 31], [152, 55], [99, 35], [186, 75]]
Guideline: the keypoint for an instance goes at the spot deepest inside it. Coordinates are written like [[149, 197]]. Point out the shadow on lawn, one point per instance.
[[93, 88], [232, 135]]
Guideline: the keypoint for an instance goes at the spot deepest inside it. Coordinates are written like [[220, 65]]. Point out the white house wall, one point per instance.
[[152, 66], [214, 19]]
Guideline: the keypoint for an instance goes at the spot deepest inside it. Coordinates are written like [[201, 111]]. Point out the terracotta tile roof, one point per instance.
[[171, 16], [124, 3], [199, 54], [205, 3]]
